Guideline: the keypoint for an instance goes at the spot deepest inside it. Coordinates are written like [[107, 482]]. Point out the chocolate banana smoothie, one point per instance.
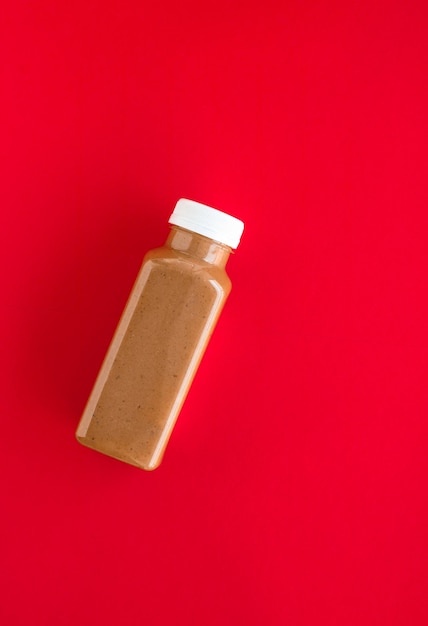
[[156, 350]]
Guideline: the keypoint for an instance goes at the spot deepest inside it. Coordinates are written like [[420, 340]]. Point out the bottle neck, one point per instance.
[[198, 246]]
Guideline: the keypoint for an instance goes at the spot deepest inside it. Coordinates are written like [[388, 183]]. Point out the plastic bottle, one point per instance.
[[161, 337]]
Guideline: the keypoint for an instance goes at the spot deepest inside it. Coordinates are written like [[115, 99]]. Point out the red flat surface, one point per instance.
[[294, 488]]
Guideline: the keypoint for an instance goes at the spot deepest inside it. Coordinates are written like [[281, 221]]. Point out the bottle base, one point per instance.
[[118, 455]]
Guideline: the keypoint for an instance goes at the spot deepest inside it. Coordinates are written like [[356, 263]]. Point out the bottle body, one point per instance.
[[157, 347]]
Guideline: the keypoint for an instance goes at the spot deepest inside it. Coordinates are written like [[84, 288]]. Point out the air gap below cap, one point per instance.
[[207, 221]]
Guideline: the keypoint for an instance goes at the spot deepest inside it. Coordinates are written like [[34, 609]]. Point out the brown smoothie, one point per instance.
[[157, 347]]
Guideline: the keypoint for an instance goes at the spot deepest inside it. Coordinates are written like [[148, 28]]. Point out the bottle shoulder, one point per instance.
[[167, 259]]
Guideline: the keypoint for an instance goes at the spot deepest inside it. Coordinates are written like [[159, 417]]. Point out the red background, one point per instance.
[[294, 488]]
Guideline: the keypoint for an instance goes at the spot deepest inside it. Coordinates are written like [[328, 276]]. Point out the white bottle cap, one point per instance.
[[207, 221]]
